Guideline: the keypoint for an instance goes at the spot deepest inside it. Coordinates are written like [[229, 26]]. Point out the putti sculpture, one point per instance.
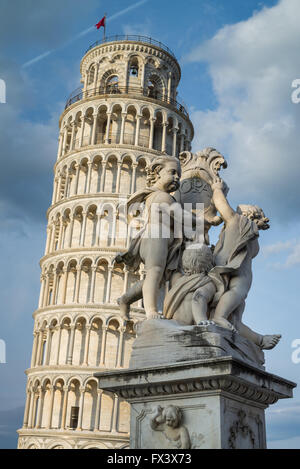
[[161, 254], [168, 421], [195, 360], [209, 284]]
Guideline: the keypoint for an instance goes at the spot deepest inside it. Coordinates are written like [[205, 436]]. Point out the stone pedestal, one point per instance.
[[166, 341], [213, 402]]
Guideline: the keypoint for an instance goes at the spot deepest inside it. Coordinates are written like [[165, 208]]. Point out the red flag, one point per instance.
[[101, 23]]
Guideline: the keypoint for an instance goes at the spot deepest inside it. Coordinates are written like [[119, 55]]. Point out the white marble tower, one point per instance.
[[125, 114]]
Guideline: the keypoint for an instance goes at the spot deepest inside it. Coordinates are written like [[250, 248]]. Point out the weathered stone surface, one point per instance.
[[166, 341], [221, 401]]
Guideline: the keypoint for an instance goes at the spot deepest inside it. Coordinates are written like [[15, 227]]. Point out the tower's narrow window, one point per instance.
[[91, 75], [152, 92], [74, 417], [112, 85], [43, 352], [155, 87], [38, 403], [134, 68], [50, 297]]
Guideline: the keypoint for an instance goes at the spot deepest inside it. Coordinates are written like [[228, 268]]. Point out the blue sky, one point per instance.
[[238, 61]]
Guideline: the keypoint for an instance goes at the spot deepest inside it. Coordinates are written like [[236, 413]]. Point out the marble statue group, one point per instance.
[[196, 376], [203, 284]]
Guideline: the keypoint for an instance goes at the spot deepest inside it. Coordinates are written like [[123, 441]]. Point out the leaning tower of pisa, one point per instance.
[[125, 113]]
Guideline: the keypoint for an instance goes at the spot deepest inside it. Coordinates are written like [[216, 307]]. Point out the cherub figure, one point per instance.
[[187, 300], [160, 254], [233, 254], [168, 421]]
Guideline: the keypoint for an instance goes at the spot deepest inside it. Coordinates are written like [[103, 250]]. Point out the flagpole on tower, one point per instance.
[[101, 23], [104, 29]]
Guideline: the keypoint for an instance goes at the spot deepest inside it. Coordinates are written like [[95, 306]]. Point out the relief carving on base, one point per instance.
[[169, 421]]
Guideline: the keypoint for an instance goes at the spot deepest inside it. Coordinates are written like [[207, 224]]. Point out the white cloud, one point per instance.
[[293, 257], [290, 443], [28, 153], [29, 149], [291, 409], [283, 429], [278, 247], [252, 65], [84, 32], [143, 29]]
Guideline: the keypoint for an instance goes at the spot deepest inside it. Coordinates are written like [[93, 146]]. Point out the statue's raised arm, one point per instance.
[[220, 190]]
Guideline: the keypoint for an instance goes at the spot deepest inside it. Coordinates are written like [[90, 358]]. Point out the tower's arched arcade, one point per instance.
[[125, 113]]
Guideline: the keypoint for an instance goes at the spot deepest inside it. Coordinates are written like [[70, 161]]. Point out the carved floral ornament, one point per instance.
[[204, 164]]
